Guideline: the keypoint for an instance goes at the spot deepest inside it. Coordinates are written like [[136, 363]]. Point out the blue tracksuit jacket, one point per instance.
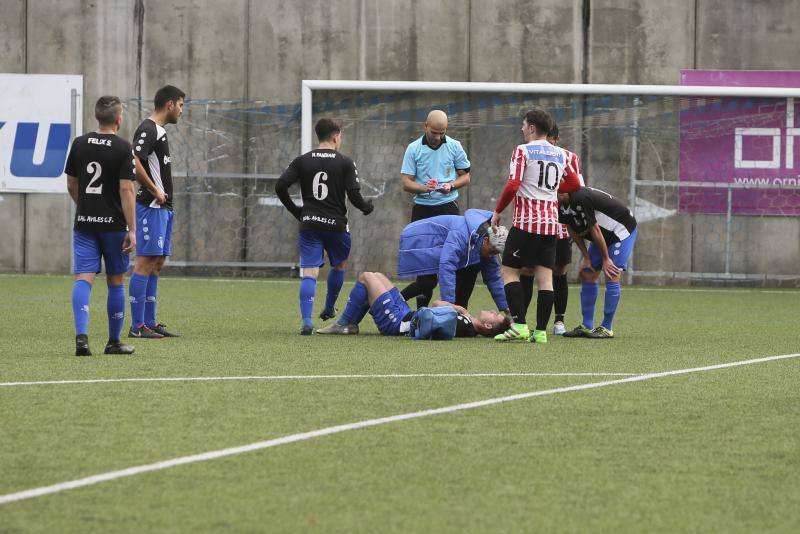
[[442, 245]]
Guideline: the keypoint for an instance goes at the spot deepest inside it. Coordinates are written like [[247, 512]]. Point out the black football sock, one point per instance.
[[544, 305], [421, 287], [411, 290], [465, 283], [424, 300], [514, 296], [561, 295], [527, 292]]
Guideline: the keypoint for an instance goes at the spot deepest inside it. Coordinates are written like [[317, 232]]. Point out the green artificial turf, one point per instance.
[[711, 451]]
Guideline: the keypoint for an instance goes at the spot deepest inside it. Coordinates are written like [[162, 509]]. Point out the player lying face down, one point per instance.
[[375, 294]]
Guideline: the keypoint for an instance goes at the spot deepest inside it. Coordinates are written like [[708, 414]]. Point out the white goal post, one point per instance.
[[637, 96]]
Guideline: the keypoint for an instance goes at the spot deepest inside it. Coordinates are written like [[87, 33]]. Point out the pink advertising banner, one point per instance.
[[750, 142]]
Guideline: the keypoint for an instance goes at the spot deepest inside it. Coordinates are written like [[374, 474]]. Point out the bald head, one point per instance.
[[435, 127], [437, 119]]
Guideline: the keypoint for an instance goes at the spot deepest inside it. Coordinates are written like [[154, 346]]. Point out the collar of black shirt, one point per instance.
[[425, 142]]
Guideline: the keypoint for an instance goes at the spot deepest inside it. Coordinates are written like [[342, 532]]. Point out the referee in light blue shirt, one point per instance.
[[435, 167]]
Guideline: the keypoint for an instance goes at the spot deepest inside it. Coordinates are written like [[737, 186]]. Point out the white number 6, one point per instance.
[[318, 187]]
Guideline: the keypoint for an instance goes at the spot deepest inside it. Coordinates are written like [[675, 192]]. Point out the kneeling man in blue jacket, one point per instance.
[[454, 247]]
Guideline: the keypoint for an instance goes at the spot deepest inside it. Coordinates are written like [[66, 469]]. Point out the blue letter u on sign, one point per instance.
[[55, 154]]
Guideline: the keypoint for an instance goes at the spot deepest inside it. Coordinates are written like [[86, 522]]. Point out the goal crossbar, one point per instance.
[[308, 86]]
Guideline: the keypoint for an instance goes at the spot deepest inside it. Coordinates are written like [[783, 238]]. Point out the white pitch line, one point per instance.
[[232, 451], [300, 377]]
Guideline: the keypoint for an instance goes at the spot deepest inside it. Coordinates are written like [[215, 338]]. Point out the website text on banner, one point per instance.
[[750, 143]]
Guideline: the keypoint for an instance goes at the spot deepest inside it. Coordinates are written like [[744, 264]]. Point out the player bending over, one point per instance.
[[611, 228], [100, 178], [374, 293], [326, 176]]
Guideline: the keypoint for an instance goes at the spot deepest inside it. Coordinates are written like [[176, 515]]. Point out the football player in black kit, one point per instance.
[[100, 180], [326, 177], [611, 228], [153, 211]]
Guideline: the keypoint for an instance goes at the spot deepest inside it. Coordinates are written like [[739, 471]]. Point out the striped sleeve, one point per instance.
[[572, 179], [516, 170]]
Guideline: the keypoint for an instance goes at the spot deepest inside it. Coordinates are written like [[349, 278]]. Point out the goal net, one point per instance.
[[711, 180]]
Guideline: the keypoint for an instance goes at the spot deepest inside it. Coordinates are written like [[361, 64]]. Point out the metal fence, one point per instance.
[[227, 154]]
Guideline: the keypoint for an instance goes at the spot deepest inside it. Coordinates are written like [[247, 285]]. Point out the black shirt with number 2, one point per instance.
[[99, 161]]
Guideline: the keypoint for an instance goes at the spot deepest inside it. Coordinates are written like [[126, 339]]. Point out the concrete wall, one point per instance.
[[261, 50]]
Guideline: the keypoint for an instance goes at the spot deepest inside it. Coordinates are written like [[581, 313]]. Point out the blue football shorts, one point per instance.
[[389, 310], [312, 244], [89, 248], [153, 231], [619, 252]]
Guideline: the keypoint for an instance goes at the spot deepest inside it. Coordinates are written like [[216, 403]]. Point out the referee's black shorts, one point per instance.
[[524, 249], [421, 211]]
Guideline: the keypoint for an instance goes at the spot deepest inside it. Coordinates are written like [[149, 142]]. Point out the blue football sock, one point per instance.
[[138, 293], [115, 305], [588, 298], [357, 305], [308, 287], [81, 290], [335, 281], [150, 303], [613, 293]]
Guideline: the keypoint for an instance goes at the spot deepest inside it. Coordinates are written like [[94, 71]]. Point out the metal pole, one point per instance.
[[552, 88], [305, 118], [25, 232], [633, 174], [728, 219], [73, 126]]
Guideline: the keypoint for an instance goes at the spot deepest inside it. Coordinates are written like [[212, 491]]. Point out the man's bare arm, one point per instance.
[[411, 186], [462, 180], [128, 197], [599, 241], [578, 241], [144, 179], [72, 188]]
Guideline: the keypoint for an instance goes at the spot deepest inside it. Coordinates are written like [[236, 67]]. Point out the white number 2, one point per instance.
[[318, 187], [96, 171]]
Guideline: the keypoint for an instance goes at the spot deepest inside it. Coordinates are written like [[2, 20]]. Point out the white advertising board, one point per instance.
[[37, 112]]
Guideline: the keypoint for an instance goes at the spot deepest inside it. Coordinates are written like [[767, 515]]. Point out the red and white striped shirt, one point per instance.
[[536, 170], [572, 172]]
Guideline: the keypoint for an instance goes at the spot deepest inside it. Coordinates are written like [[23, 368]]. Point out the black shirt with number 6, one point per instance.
[[99, 161], [326, 178]]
